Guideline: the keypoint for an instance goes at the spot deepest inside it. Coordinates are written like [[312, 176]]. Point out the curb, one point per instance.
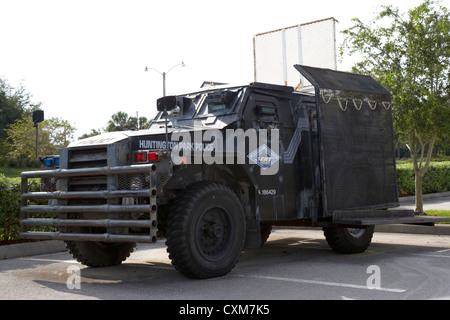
[[412, 199], [30, 249], [441, 230]]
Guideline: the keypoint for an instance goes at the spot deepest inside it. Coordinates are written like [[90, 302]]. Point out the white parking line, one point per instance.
[[431, 255], [324, 283], [48, 260]]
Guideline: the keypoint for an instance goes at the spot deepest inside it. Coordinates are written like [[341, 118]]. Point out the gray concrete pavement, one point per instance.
[[435, 201]]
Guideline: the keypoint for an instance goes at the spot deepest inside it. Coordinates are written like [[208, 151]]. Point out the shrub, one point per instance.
[[10, 207], [436, 179]]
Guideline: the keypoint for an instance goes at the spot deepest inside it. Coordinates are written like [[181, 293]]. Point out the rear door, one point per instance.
[[355, 140]]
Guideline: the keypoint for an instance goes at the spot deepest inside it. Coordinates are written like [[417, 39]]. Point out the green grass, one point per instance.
[[14, 172], [409, 160], [439, 213]]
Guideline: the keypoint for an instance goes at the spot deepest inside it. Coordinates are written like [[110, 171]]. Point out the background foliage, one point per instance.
[[436, 179], [409, 54], [10, 207]]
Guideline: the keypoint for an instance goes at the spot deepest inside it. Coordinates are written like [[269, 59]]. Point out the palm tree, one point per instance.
[[119, 122]]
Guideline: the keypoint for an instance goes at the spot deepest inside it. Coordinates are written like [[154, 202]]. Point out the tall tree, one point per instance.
[[14, 103], [94, 132], [120, 121], [54, 134], [60, 133], [409, 53]]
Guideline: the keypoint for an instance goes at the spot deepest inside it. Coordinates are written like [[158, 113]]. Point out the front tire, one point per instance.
[[100, 254], [349, 240], [206, 231], [96, 253]]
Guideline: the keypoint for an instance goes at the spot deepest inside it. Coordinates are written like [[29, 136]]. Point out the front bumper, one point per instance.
[[101, 215]]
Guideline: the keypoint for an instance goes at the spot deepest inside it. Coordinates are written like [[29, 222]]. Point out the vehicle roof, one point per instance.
[[259, 85]]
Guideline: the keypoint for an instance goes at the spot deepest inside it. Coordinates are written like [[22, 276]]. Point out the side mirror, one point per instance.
[[166, 103]]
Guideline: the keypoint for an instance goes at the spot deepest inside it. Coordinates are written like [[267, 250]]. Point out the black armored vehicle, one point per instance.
[[219, 167]]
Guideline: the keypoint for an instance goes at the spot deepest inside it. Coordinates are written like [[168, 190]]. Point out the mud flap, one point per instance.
[[253, 235]]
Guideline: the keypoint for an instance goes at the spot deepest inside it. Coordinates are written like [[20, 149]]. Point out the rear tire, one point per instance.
[[348, 240], [206, 231]]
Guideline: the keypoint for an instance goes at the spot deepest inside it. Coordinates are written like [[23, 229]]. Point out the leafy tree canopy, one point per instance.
[[121, 121], [53, 134], [14, 103], [409, 54]]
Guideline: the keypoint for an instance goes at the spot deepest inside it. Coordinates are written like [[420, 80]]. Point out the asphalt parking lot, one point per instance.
[[295, 264]]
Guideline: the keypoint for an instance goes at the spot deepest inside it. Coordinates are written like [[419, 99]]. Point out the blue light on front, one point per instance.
[[49, 162]]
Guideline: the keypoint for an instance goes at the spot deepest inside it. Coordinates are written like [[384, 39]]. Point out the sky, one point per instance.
[[84, 60]]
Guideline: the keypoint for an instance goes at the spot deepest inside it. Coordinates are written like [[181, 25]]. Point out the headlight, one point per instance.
[[136, 183]]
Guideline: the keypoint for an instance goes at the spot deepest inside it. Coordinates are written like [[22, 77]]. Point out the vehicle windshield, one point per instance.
[[200, 106]]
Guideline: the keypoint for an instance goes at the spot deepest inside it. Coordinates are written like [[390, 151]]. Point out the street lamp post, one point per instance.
[[38, 116], [164, 74]]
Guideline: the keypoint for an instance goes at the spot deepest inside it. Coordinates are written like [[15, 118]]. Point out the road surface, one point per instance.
[[295, 264]]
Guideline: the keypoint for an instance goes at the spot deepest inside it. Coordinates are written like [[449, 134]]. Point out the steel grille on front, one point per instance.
[[88, 158], [92, 214], [49, 184], [134, 181]]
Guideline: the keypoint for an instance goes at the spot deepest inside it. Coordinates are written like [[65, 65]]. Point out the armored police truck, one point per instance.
[[217, 168]]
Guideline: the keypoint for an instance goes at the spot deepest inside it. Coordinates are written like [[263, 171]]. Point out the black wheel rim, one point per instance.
[[213, 233]]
